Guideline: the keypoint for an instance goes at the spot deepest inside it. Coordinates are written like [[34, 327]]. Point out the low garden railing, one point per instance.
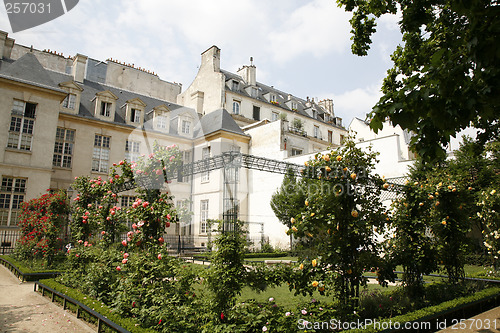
[[101, 320], [25, 276]]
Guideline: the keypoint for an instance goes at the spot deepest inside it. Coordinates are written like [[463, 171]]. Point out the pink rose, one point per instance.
[[125, 255], [118, 268], [145, 204], [159, 256], [124, 242], [124, 261]]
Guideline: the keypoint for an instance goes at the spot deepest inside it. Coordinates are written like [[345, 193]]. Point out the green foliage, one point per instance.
[[445, 76], [225, 277], [41, 223], [288, 200], [337, 223]]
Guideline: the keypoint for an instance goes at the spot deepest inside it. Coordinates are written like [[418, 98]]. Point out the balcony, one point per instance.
[[297, 131]]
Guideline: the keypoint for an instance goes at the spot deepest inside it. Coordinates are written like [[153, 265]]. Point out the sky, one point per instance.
[[300, 47]]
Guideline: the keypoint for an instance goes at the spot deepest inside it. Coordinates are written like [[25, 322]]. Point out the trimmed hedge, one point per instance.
[[128, 323], [432, 313], [266, 255], [25, 269]]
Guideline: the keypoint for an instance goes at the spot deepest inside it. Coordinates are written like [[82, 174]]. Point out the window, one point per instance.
[[316, 133], [126, 201], [274, 116], [105, 109], [63, 147], [296, 151], [69, 101], [315, 114], [22, 122], [272, 98], [256, 113], [294, 106], [205, 154], [186, 127], [236, 107], [135, 116], [131, 150], [341, 139], [255, 92], [203, 216], [162, 122], [330, 136], [236, 86], [100, 157], [11, 196]]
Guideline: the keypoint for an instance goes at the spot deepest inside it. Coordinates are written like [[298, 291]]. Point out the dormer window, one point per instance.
[[72, 101], [255, 92], [69, 102], [105, 105], [186, 127], [235, 86], [135, 116], [105, 109], [315, 114], [160, 117], [272, 98], [135, 111]]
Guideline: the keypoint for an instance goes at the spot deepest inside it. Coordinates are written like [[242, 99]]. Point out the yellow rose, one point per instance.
[[386, 186], [306, 203], [312, 214], [353, 176], [305, 163], [295, 229], [309, 234], [443, 223], [339, 158], [328, 169], [301, 266], [321, 289], [292, 220], [315, 284], [326, 157], [354, 213], [314, 262]]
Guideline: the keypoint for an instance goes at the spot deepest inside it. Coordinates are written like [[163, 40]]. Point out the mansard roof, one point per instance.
[[28, 69], [218, 120]]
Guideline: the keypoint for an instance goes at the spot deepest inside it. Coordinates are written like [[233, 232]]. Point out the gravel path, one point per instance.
[[22, 310]]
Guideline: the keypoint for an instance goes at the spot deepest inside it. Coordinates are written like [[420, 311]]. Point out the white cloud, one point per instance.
[[356, 103], [317, 28]]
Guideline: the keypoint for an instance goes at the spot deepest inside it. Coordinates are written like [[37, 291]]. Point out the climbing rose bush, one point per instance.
[[41, 224]]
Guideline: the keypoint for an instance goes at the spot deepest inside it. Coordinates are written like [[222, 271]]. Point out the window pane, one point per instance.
[[66, 162], [56, 160], [25, 142], [7, 184], [30, 110], [70, 135], [4, 200], [97, 140], [58, 147], [4, 217], [28, 126], [18, 107], [15, 124], [97, 153], [20, 186], [13, 141]]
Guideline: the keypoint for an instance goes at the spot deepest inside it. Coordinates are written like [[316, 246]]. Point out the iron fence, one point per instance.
[[8, 240]]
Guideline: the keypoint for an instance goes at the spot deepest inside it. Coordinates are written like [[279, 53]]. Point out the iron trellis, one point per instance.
[[231, 162]]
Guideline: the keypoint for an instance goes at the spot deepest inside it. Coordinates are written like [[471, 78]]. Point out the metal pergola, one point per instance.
[[231, 162]]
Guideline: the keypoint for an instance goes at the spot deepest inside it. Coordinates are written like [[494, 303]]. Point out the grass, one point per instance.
[[32, 267], [284, 297]]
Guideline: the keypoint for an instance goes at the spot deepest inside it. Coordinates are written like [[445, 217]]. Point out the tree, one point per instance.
[[288, 200], [445, 76], [337, 221]]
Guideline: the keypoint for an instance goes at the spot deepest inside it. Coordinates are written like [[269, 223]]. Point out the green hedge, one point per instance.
[[25, 269], [266, 255], [128, 323], [432, 312]]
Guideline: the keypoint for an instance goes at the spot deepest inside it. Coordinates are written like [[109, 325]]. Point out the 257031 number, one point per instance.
[[27, 7], [471, 323]]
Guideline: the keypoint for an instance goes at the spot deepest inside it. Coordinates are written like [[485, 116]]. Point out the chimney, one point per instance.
[[249, 73], [6, 45], [327, 104], [79, 66], [211, 58]]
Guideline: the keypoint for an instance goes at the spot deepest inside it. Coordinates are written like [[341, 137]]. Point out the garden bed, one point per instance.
[[88, 309], [24, 273], [99, 314]]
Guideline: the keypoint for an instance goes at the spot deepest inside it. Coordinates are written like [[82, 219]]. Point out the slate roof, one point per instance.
[[28, 69], [281, 97], [215, 121]]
